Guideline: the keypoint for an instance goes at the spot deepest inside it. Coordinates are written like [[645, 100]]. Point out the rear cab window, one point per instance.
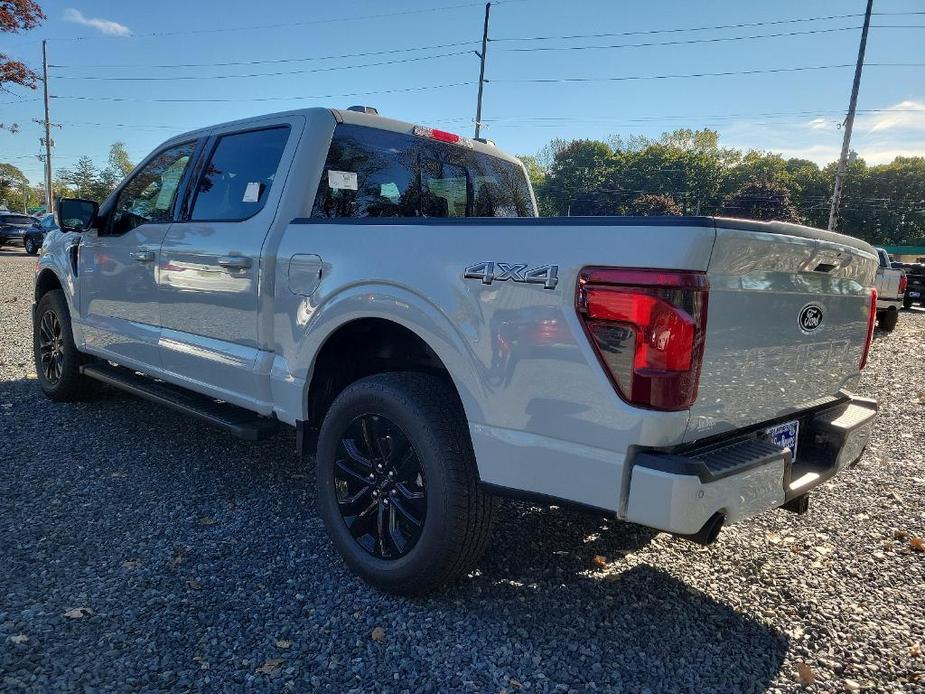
[[378, 173]]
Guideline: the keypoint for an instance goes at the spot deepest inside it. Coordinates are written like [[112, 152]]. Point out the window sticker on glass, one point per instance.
[[342, 180], [252, 192], [390, 191]]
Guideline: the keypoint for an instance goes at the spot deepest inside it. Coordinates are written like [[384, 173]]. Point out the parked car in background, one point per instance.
[[891, 286], [13, 228], [915, 283], [34, 238]]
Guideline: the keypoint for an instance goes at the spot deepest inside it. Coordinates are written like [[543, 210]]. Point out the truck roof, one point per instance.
[[341, 116]]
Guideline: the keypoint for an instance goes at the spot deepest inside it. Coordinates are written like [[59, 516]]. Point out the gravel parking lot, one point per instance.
[[142, 551]]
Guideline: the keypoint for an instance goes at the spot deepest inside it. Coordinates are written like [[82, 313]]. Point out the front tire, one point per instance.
[[425, 524], [887, 320], [57, 361]]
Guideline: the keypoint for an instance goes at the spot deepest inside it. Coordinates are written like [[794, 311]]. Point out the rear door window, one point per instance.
[[379, 173], [237, 179]]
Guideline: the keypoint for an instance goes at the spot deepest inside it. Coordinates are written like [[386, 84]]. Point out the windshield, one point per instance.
[[16, 220], [378, 173]]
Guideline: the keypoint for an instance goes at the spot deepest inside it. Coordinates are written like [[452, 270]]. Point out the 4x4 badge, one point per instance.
[[488, 272]]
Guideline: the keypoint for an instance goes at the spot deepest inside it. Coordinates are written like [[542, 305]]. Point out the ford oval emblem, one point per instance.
[[810, 317]]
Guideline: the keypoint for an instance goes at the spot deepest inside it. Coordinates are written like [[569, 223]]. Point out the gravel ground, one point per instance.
[[142, 551]]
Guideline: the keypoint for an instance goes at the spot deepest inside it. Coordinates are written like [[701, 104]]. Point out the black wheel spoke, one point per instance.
[[412, 515], [349, 469], [379, 483]]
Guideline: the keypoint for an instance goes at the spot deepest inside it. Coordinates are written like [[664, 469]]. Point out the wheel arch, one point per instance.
[[363, 346]]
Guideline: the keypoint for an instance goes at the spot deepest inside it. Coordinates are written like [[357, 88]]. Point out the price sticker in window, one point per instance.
[[252, 192], [342, 180]]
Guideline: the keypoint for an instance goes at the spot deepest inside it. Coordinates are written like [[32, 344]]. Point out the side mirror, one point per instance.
[[75, 214]]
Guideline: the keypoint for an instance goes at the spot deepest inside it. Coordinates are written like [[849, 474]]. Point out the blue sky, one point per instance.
[[795, 113]]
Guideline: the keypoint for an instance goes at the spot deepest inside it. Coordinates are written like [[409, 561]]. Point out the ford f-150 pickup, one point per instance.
[[387, 290]]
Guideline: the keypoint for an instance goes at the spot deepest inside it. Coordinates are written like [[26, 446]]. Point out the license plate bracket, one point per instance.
[[785, 435]]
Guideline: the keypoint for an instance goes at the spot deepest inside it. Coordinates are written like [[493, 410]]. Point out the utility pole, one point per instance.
[[482, 55], [849, 123], [49, 195]]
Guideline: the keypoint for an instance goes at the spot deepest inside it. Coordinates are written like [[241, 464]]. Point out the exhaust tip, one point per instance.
[[709, 532]]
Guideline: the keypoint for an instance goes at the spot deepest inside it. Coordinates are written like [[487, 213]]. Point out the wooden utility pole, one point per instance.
[[849, 123], [482, 55], [49, 195]]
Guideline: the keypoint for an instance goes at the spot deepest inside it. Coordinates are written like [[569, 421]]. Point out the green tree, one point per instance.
[[578, 177], [762, 200], [83, 178], [12, 183], [654, 205]]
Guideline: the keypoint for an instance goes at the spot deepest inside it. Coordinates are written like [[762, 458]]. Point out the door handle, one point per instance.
[[235, 262], [143, 256]]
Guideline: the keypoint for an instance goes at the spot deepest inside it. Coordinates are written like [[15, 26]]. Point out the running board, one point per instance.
[[237, 421]]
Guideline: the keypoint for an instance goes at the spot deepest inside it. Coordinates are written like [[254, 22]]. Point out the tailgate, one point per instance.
[[787, 322]]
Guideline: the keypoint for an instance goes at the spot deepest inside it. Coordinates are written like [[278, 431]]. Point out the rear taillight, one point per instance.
[[903, 283], [871, 319], [648, 328]]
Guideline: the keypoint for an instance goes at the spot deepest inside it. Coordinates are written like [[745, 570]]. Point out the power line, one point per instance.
[[262, 74], [284, 25], [267, 98], [714, 27], [274, 61], [682, 42], [727, 73]]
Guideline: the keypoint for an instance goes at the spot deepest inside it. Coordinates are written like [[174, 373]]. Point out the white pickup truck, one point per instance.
[[890, 284], [387, 289]]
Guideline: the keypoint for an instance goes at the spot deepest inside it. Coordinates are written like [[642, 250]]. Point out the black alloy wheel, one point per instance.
[[380, 487], [51, 347]]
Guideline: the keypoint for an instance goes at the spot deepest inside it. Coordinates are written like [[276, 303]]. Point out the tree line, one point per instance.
[[687, 172], [83, 180]]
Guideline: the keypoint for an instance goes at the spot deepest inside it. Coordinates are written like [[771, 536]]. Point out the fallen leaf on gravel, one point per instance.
[[922, 398], [805, 674], [119, 474], [19, 638], [193, 584], [899, 534], [178, 557], [515, 683], [282, 643], [203, 663], [915, 650], [78, 613], [918, 544], [852, 686], [773, 538], [378, 634], [599, 561], [131, 563], [270, 667], [207, 520]]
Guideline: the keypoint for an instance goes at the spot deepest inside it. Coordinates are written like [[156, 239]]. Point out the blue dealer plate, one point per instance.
[[785, 435], [915, 295]]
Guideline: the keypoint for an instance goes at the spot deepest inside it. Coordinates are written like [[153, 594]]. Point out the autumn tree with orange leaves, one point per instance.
[[16, 16]]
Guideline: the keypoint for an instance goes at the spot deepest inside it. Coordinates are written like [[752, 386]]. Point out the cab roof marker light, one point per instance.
[[441, 136]]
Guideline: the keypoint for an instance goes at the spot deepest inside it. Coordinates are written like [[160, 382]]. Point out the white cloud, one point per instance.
[[820, 124], [105, 26], [906, 115]]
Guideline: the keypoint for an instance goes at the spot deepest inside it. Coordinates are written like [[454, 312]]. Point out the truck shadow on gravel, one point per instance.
[[160, 526]]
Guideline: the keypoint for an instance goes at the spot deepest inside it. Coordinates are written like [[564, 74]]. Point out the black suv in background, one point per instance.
[[915, 290], [13, 228]]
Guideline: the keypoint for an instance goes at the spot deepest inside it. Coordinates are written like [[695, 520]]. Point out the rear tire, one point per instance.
[[57, 360], [887, 320], [426, 429], [30, 247], [907, 303]]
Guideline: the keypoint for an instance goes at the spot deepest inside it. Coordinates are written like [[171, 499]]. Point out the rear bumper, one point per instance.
[[692, 490], [889, 304]]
